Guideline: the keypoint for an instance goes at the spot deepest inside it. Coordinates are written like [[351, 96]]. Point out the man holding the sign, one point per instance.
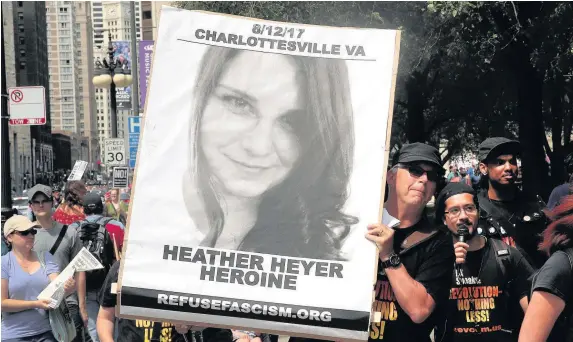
[[416, 259]]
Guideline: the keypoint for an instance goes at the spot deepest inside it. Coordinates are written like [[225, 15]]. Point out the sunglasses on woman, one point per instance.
[[417, 171], [27, 232]]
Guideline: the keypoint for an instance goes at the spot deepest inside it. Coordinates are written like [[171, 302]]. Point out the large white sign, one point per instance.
[[27, 105], [114, 151], [78, 170], [258, 174]]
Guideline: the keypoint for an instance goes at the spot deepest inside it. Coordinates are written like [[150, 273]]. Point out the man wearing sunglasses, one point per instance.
[[416, 259], [516, 219], [64, 244], [490, 277]]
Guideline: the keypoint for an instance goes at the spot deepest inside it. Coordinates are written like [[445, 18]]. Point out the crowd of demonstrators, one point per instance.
[[486, 235], [480, 263], [26, 273]]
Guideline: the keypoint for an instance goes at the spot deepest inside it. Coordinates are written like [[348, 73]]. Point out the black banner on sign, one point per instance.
[[241, 308], [120, 177]]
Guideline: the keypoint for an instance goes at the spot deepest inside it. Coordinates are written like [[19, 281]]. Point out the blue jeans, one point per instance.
[[92, 306], [45, 337]]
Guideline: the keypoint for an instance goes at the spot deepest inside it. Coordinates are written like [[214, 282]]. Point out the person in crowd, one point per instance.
[[71, 209], [416, 259], [93, 208], [116, 208], [565, 189], [453, 173], [138, 330], [462, 176], [549, 316], [57, 197], [482, 264], [64, 244], [25, 275], [518, 220]]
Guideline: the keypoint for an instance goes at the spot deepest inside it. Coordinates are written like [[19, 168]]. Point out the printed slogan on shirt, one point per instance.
[[475, 302], [384, 309], [165, 334]]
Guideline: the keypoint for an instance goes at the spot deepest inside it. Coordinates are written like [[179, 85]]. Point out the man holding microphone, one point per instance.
[[489, 278]]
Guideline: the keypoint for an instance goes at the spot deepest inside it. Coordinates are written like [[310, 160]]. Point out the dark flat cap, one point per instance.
[[92, 200], [451, 189], [496, 146], [418, 152]]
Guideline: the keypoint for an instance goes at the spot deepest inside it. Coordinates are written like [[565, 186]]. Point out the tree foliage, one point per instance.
[[468, 70]]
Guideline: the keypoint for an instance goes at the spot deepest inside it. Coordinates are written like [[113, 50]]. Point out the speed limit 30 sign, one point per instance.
[[114, 150]]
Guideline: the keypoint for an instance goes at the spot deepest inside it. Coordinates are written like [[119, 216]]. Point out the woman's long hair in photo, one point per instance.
[[559, 233], [302, 216]]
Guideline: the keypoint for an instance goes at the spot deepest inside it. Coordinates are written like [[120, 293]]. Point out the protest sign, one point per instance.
[[83, 261], [274, 149], [78, 170]]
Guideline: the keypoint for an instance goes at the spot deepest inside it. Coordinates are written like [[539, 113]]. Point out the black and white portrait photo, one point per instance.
[[271, 146], [260, 165]]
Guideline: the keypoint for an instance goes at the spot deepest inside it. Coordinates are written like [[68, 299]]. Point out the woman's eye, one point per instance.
[[238, 105]]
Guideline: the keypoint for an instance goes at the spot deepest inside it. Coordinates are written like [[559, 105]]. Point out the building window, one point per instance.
[[22, 53], [64, 25], [22, 65], [21, 28], [22, 40], [21, 15], [20, 3], [146, 14]]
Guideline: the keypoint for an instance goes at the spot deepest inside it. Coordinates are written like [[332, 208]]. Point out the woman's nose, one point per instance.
[[259, 141]]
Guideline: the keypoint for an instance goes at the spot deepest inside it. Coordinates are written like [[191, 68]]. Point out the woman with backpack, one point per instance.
[[549, 316], [25, 275]]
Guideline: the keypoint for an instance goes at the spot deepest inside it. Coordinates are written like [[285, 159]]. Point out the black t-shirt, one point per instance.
[[520, 222], [556, 277], [430, 263], [137, 330], [483, 297]]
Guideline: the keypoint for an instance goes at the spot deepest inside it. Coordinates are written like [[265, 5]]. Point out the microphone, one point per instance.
[[463, 232]]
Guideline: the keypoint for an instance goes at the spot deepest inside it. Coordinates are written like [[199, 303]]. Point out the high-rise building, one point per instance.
[[156, 14], [88, 117], [32, 69], [20, 143], [111, 18], [64, 57]]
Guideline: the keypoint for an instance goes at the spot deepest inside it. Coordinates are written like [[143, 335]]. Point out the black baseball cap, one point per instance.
[[451, 189], [496, 146], [92, 200], [418, 152]]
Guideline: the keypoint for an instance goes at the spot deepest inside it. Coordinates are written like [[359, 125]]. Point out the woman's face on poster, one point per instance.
[[247, 131]]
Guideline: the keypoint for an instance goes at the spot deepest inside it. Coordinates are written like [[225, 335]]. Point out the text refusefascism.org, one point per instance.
[[244, 307]]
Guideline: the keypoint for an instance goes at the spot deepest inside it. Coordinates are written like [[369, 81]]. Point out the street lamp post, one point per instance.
[[112, 74]]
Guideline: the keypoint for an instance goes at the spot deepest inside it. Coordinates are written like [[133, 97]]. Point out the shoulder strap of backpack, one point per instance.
[[59, 240], [502, 256], [417, 238]]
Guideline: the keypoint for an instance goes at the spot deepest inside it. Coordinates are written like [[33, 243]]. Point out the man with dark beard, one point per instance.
[[490, 278], [516, 219]]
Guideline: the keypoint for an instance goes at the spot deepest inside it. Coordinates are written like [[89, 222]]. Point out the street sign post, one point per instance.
[[114, 152], [120, 177], [27, 106], [133, 123]]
